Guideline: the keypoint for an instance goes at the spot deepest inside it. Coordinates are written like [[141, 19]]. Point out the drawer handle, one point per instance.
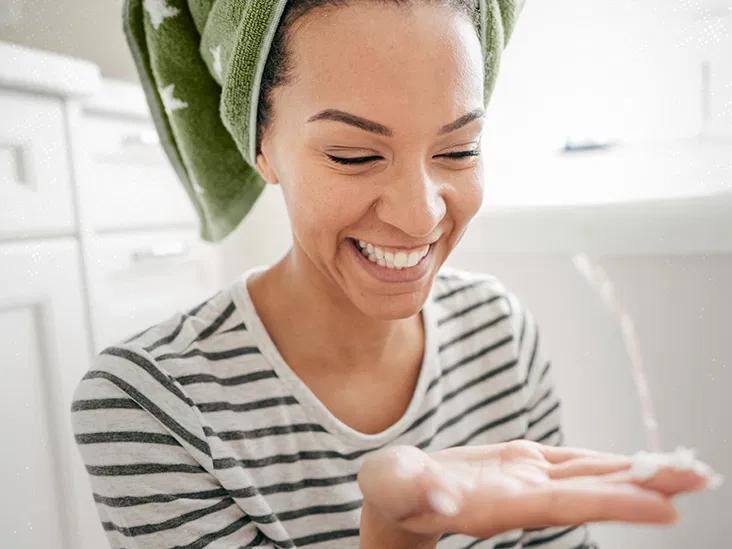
[[160, 252], [15, 157]]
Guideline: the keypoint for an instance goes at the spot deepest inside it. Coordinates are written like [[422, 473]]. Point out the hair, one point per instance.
[[278, 70]]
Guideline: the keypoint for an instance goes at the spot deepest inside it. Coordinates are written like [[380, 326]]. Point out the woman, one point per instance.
[[355, 393]]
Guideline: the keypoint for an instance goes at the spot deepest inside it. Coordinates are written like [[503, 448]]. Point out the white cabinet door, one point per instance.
[[35, 187], [142, 278], [44, 351]]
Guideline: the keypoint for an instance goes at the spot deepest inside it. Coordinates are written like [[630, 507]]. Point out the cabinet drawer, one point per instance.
[[35, 184], [129, 181], [142, 278]]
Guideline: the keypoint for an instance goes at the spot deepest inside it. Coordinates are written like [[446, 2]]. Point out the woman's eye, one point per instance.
[[365, 159], [463, 154], [354, 160]]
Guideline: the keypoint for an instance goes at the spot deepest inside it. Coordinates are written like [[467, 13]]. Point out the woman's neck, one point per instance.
[[314, 325]]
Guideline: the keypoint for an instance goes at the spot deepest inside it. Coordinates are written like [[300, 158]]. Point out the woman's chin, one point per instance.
[[393, 315], [391, 307]]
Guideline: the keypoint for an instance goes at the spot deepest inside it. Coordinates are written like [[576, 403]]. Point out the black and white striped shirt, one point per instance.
[[196, 433]]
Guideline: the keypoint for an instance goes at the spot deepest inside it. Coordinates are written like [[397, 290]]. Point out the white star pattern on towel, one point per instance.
[[171, 102], [159, 10], [216, 54], [197, 187]]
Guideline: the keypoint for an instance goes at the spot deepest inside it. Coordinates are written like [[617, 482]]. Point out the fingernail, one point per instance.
[[443, 503]]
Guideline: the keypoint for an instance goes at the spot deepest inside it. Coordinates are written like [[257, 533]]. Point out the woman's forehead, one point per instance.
[[427, 60]]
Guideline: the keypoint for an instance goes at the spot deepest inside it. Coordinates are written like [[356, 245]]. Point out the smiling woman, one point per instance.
[[356, 393], [348, 175]]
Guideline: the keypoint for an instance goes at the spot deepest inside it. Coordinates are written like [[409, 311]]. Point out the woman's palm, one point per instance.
[[520, 484]]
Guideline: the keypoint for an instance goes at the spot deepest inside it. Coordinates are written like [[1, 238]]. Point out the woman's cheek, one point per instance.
[[475, 198], [465, 200], [325, 206]]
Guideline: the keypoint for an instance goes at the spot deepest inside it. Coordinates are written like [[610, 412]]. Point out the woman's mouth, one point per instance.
[[392, 258], [393, 264]]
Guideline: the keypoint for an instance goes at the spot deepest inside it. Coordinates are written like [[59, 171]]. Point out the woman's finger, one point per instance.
[[668, 480], [574, 501], [586, 466], [559, 454]]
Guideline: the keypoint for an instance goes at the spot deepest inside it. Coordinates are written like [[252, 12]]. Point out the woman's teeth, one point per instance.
[[392, 259]]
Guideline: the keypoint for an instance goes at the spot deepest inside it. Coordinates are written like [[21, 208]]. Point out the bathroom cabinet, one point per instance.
[[97, 242]]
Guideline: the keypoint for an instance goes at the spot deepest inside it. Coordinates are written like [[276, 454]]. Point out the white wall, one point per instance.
[[80, 28], [262, 238]]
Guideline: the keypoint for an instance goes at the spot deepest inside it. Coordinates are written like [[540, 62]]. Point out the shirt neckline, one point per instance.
[[314, 408]]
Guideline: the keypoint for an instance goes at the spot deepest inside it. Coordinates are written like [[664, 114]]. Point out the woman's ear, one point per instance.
[[265, 169]]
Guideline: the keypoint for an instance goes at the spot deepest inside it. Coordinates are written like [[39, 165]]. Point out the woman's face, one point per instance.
[[401, 91]]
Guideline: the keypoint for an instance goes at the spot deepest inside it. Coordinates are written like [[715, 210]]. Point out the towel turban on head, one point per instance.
[[201, 62]]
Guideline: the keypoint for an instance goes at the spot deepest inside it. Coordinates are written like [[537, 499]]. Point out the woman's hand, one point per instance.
[[489, 489]]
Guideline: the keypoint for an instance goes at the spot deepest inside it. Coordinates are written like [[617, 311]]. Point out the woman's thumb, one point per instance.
[[404, 482]]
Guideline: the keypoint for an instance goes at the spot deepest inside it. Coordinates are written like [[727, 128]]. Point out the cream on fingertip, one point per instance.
[[644, 465]]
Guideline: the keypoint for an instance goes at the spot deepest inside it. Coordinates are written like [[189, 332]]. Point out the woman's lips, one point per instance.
[[386, 274]]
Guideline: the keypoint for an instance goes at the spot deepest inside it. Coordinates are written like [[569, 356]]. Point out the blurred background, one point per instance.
[[609, 134]]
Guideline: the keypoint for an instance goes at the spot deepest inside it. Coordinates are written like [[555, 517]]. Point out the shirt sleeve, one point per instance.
[[544, 416], [149, 491]]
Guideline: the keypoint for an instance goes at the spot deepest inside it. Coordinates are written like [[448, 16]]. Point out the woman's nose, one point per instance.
[[412, 203]]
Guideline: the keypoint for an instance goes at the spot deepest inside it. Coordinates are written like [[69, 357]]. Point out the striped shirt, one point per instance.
[[196, 433]]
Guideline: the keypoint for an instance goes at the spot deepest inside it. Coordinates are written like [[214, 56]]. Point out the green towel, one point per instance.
[[200, 63]]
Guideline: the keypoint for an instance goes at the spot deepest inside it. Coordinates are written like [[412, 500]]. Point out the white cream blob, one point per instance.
[[646, 464]]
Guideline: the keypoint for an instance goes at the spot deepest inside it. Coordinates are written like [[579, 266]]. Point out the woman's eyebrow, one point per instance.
[[375, 127]]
